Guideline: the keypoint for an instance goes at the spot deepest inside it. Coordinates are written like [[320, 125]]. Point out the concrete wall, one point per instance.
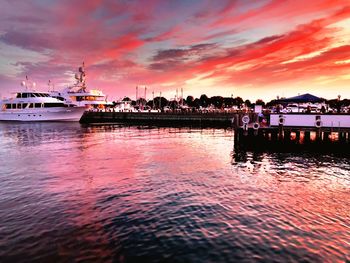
[[309, 120]]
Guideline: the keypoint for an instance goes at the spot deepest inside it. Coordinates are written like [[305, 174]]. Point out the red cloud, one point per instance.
[[125, 43]]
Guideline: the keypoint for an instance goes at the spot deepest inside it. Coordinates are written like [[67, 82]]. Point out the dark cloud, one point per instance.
[[167, 59], [171, 54], [28, 40]]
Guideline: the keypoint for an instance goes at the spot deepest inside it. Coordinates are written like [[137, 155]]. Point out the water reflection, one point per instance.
[[118, 193]]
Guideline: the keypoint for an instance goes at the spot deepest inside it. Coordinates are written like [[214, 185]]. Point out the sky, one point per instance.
[[255, 49]]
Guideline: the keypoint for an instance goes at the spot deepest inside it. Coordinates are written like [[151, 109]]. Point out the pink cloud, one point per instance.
[[125, 43]]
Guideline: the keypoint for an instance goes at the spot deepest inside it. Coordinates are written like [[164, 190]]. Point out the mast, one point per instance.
[[182, 96], [137, 90], [160, 100], [81, 78]]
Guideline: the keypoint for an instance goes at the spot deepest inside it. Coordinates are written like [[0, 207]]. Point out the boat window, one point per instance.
[[24, 95], [19, 106], [13, 106], [51, 105], [31, 105], [19, 95], [37, 105]]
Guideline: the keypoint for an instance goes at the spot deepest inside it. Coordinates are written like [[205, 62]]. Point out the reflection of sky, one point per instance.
[[137, 180], [120, 43]]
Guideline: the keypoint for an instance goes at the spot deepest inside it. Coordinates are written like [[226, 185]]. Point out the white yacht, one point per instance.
[[37, 106], [79, 95]]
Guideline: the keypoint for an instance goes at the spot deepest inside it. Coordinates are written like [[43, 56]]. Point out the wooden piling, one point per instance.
[[297, 136], [307, 138]]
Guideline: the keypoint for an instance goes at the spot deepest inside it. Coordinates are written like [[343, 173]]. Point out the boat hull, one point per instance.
[[51, 114]]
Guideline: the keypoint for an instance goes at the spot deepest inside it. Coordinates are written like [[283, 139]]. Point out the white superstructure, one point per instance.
[[38, 106], [79, 95]]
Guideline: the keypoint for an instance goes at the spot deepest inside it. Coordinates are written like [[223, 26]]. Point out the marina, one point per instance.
[[174, 131]]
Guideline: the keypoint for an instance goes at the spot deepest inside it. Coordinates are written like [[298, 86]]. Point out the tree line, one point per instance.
[[215, 101]]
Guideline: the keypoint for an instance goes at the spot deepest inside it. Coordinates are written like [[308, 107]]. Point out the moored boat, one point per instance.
[[38, 106], [79, 95]]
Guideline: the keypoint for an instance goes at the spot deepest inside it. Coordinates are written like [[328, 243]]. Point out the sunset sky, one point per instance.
[[253, 49]]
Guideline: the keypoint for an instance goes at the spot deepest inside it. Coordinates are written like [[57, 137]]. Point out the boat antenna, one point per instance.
[[51, 86], [24, 83]]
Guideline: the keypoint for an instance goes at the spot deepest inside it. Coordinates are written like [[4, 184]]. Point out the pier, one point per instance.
[[288, 132], [165, 118], [273, 131]]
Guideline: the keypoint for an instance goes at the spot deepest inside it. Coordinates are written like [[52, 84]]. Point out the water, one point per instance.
[[138, 194]]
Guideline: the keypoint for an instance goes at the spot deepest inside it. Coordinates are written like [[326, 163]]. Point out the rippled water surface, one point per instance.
[[136, 194]]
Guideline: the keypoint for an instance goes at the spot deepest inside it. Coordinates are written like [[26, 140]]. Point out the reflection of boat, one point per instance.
[[37, 106], [79, 95], [33, 133]]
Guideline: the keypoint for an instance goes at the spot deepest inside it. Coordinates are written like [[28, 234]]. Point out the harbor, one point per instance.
[[174, 131]]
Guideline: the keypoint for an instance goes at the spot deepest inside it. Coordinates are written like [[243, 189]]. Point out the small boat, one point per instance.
[[79, 95], [31, 105]]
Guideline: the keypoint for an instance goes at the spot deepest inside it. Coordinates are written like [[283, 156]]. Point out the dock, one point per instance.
[[275, 130], [294, 132], [164, 118]]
